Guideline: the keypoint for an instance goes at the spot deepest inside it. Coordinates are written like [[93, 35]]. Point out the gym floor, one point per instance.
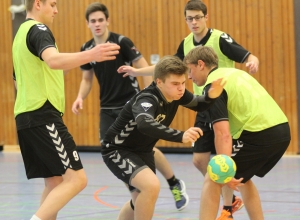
[[105, 194]]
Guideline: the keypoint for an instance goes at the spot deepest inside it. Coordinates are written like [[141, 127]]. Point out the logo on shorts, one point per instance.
[[236, 148], [146, 106]]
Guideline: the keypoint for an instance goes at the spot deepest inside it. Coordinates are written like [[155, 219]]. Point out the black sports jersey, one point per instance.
[[115, 90], [228, 46], [146, 117]]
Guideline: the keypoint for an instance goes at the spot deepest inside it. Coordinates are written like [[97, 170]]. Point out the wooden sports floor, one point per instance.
[[105, 194]]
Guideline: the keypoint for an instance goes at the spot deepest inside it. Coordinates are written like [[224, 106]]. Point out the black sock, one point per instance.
[[172, 181], [233, 198], [228, 208]]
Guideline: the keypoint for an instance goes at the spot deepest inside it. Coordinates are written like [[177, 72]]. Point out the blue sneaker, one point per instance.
[[180, 196]]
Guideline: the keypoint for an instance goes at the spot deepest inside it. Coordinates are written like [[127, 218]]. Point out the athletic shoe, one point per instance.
[[225, 215], [237, 204], [180, 196]]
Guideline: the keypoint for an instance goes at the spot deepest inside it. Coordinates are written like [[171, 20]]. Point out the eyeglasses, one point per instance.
[[197, 18]]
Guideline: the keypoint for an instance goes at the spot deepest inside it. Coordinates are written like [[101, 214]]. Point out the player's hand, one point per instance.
[[191, 135], [252, 66], [78, 104], [107, 51], [234, 183], [127, 70], [216, 88]]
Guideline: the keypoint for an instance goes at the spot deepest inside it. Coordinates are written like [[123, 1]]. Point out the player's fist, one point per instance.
[[191, 135]]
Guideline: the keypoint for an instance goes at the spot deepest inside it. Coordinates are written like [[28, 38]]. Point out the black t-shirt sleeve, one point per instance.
[[39, 38], [232, 49], [218, 111], [180, 51], [144, 111], [128, 50]]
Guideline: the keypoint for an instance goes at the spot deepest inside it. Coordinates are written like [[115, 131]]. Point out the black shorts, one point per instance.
[[107, 118], [260, 157], [126, 164], [48, 150], [205, 143]]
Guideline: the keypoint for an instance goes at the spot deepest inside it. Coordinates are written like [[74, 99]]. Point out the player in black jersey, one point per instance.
[[48, 149], [229, 51], [128, 144], [115, 90]]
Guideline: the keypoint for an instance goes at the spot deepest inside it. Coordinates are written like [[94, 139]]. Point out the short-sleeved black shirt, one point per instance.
[[115, 90]]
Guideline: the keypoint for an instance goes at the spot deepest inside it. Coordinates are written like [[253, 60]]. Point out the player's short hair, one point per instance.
[[169, 65], [195, 5], [204, 53], [96, 6], [29, 4]]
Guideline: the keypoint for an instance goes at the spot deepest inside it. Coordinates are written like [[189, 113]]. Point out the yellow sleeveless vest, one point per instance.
[[36, 82]]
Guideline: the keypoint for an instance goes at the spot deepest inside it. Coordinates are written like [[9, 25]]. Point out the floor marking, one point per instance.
[[96, 197]]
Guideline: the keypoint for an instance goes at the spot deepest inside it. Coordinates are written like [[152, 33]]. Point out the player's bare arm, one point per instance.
[[141, 63], [131, 71], [84, 90], [64, 61]]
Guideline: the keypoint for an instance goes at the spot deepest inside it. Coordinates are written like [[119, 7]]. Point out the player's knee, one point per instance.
[[200, 165], [78, 180]]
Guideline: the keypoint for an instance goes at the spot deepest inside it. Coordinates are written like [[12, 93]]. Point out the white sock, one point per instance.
[[34, 217]]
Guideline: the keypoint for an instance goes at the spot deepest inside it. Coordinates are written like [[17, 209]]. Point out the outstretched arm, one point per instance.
[[131, 71], [65, 61], [203, 102], [141, 63], [252, 63]]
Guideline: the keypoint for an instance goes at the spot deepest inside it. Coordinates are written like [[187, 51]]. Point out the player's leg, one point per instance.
[[202, 150], [257, 155], [138, 171], [203, 147], [251, 200], [49, 152], [148, 185], [50, 184], [177, 186], [210, 199], [73, 183], [127, 211], [107, 118]]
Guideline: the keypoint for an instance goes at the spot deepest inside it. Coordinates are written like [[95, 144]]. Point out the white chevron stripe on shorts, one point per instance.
[[62, 153]]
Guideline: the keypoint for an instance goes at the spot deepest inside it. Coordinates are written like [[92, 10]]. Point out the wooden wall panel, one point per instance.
[[157, 27], [7, 94]]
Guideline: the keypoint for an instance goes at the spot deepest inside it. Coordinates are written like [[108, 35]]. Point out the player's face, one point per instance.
[[196, 21], [197, 74], [97, 23], [48, 10], [173, 88]]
